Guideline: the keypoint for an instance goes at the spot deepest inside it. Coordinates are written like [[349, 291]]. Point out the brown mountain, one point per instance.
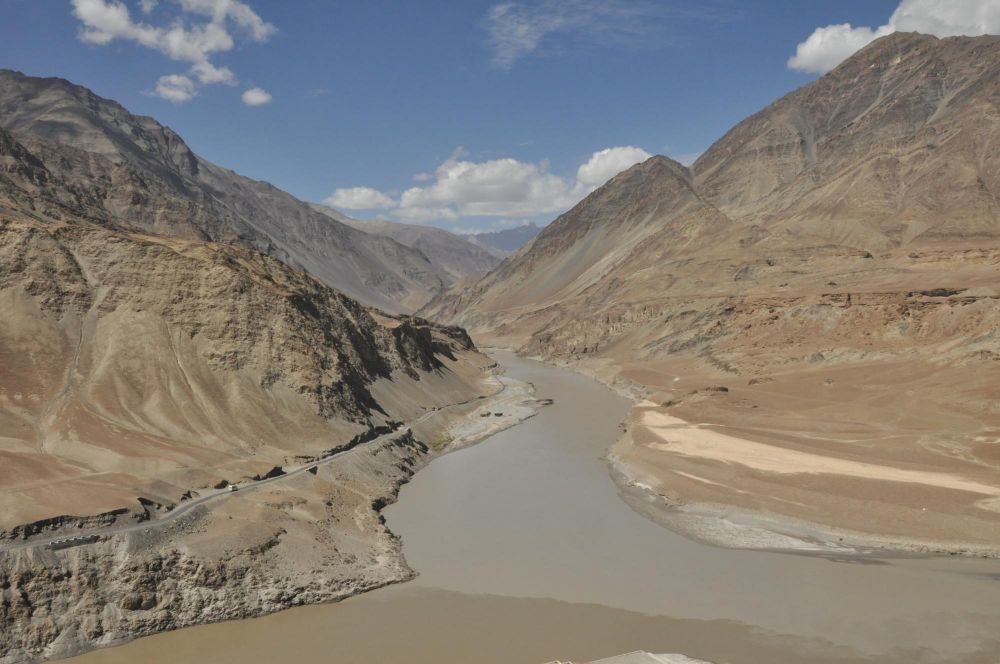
[[832, 262], [131, 173], [144, 367]]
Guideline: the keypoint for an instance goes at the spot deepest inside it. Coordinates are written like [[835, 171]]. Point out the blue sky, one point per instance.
[[485, 112]]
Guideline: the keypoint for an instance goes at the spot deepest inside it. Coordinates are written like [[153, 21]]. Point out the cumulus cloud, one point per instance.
[[256, 97], [828, 46], [499, 187], [175, 87], [208, 73], [201, 30], [605, 164], [219, 11], [505, 188], [359, 198]]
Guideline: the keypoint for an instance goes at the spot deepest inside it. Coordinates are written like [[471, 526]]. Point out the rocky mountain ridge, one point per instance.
[[130, 172]]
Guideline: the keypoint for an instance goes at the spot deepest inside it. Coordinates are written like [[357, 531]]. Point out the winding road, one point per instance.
[[90, 536]]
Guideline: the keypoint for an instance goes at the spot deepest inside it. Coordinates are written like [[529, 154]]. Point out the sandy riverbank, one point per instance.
[[738, 492], [767, 473]]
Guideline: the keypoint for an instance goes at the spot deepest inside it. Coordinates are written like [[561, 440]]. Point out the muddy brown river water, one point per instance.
[[527, 553]]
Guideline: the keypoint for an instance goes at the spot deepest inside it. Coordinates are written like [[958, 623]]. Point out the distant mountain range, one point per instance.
[[453, 257], [505, 242]]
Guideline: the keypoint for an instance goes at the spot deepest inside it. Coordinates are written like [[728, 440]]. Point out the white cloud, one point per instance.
[[505, 188], [420, 214], [359, 198], [181, 39], [175, 87], [828, 46], [256, 97], [517, 29], [208, 73], [510, 223], [500, 187], [605, 164]]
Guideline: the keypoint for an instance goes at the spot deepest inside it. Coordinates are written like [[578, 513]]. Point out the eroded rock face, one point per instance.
[[162, 336], [252, 557]]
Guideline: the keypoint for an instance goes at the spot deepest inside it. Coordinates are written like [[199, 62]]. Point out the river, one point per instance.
[[526, 553]]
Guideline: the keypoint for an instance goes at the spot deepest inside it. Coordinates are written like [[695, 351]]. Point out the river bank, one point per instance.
[[525, 553]]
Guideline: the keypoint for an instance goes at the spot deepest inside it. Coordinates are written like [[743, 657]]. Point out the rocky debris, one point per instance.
[[69, 524]]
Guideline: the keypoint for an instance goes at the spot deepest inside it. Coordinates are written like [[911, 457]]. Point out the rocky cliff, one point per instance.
[[245, 559], [152, 365]]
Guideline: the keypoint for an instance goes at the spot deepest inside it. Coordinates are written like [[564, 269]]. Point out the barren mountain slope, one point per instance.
[[144, 366], [138, 363], [452, 256], [832, 262], [131, 172], [897, 145]]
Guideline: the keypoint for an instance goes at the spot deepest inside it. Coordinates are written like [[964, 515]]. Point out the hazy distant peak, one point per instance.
[[453, 257]]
